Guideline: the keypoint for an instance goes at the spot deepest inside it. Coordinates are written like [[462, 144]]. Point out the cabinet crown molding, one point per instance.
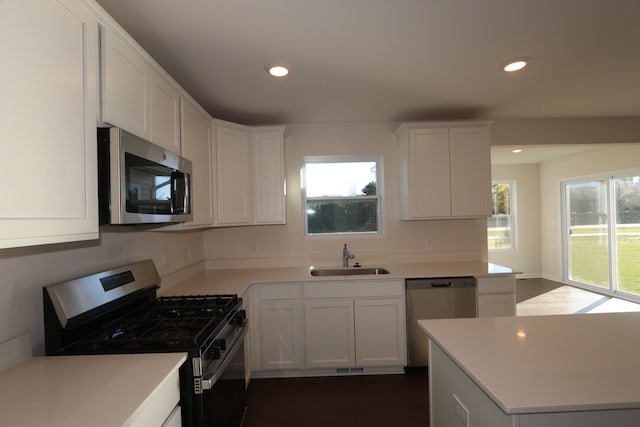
[[446, 124]]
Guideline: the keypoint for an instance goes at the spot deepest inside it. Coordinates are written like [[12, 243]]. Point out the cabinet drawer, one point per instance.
[[497, 285], [158, 407], [279, 291], [353, 289]]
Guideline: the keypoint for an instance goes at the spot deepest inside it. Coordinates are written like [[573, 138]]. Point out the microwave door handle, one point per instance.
[[176, 195]]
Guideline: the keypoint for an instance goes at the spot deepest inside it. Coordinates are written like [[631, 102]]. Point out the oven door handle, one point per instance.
[[209, 381]]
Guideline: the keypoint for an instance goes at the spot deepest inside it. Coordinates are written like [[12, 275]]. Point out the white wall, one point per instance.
[[26, 270], [616, 158], [286, 245], [525, 257]]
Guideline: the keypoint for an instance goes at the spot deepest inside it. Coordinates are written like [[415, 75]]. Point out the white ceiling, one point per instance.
[[360, 60], [503, 154]]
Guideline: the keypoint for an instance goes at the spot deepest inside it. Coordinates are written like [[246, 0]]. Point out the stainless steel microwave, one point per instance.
[[140, 182]]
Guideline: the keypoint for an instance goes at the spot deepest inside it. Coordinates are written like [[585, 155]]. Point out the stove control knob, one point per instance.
[[213, 353], [239, 318], [221, 344]]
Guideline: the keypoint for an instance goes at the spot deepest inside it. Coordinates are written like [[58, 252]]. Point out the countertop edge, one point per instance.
[[238, 281]]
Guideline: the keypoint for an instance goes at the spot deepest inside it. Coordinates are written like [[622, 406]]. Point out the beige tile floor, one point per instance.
[[537, 297]]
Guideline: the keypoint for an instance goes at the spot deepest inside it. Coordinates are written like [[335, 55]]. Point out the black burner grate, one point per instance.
[[168, 323]]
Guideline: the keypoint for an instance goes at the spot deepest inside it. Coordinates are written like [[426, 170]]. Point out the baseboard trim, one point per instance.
[[327, 372]]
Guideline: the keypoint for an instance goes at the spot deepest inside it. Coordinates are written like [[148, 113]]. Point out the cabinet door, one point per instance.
[[268, 166], [280, 334], [491, 305], [48, 112], [124, 85], [380, 332], [234, 177], [164, 112], [196, 146], [329, 333], [428, 180], [496, 296], [470, 172]]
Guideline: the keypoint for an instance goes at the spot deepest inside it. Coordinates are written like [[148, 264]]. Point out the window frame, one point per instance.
[[379, 196], [512, 215]]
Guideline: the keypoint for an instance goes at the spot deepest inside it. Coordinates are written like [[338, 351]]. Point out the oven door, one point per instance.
[[223, 398]]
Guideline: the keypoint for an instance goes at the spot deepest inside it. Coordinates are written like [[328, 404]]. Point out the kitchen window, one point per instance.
[[341, 195], [602, 233], [500, 225]]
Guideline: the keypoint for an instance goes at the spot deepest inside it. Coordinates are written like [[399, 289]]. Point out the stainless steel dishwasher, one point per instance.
[[435, 298]]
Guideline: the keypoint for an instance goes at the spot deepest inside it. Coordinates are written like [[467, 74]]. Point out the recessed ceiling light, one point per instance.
[[277, 70], [515, 64], [517, 150]]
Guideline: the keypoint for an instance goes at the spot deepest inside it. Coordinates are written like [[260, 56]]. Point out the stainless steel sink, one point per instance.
[[357, 271]]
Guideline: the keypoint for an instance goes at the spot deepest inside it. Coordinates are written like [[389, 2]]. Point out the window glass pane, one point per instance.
[[500, 225], [499, 232], [588, 233], [628, 233], [342, 216], [345, 179], [341, 196]]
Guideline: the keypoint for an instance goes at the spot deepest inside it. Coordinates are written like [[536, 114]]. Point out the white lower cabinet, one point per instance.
[[319, 328], [280, 334], [496, 296], [276, 327], [174, 419], [329, 333], [363, 327], [380, 332], [350, 333]]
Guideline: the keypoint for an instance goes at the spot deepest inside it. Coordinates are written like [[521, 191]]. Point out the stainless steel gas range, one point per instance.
[[118, 311]]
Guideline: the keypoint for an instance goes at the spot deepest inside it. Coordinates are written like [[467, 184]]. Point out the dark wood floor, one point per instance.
[[353, 401]]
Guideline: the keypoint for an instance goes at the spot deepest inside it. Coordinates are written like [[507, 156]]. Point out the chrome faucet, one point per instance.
[[346, 256]]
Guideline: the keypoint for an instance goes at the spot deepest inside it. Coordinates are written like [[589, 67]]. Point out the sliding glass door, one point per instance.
[[588, 232], [602, 240], [627, 230]]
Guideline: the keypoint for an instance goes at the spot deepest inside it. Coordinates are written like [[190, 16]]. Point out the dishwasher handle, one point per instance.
[[441, 284]]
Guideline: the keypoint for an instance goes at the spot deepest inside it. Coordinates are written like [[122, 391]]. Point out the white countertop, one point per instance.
[[70, 391], [548, 363], [237, 281]]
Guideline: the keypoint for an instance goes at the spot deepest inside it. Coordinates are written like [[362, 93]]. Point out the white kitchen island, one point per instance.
[[547, 371]]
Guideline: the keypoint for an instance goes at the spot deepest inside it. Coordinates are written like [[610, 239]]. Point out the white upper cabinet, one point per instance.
[[269, 180], [445, 170], [124, 87], [234, 177], [164, 112], [196, 146], [48, 113], [135, 95], [249, 175], [470, 162]]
